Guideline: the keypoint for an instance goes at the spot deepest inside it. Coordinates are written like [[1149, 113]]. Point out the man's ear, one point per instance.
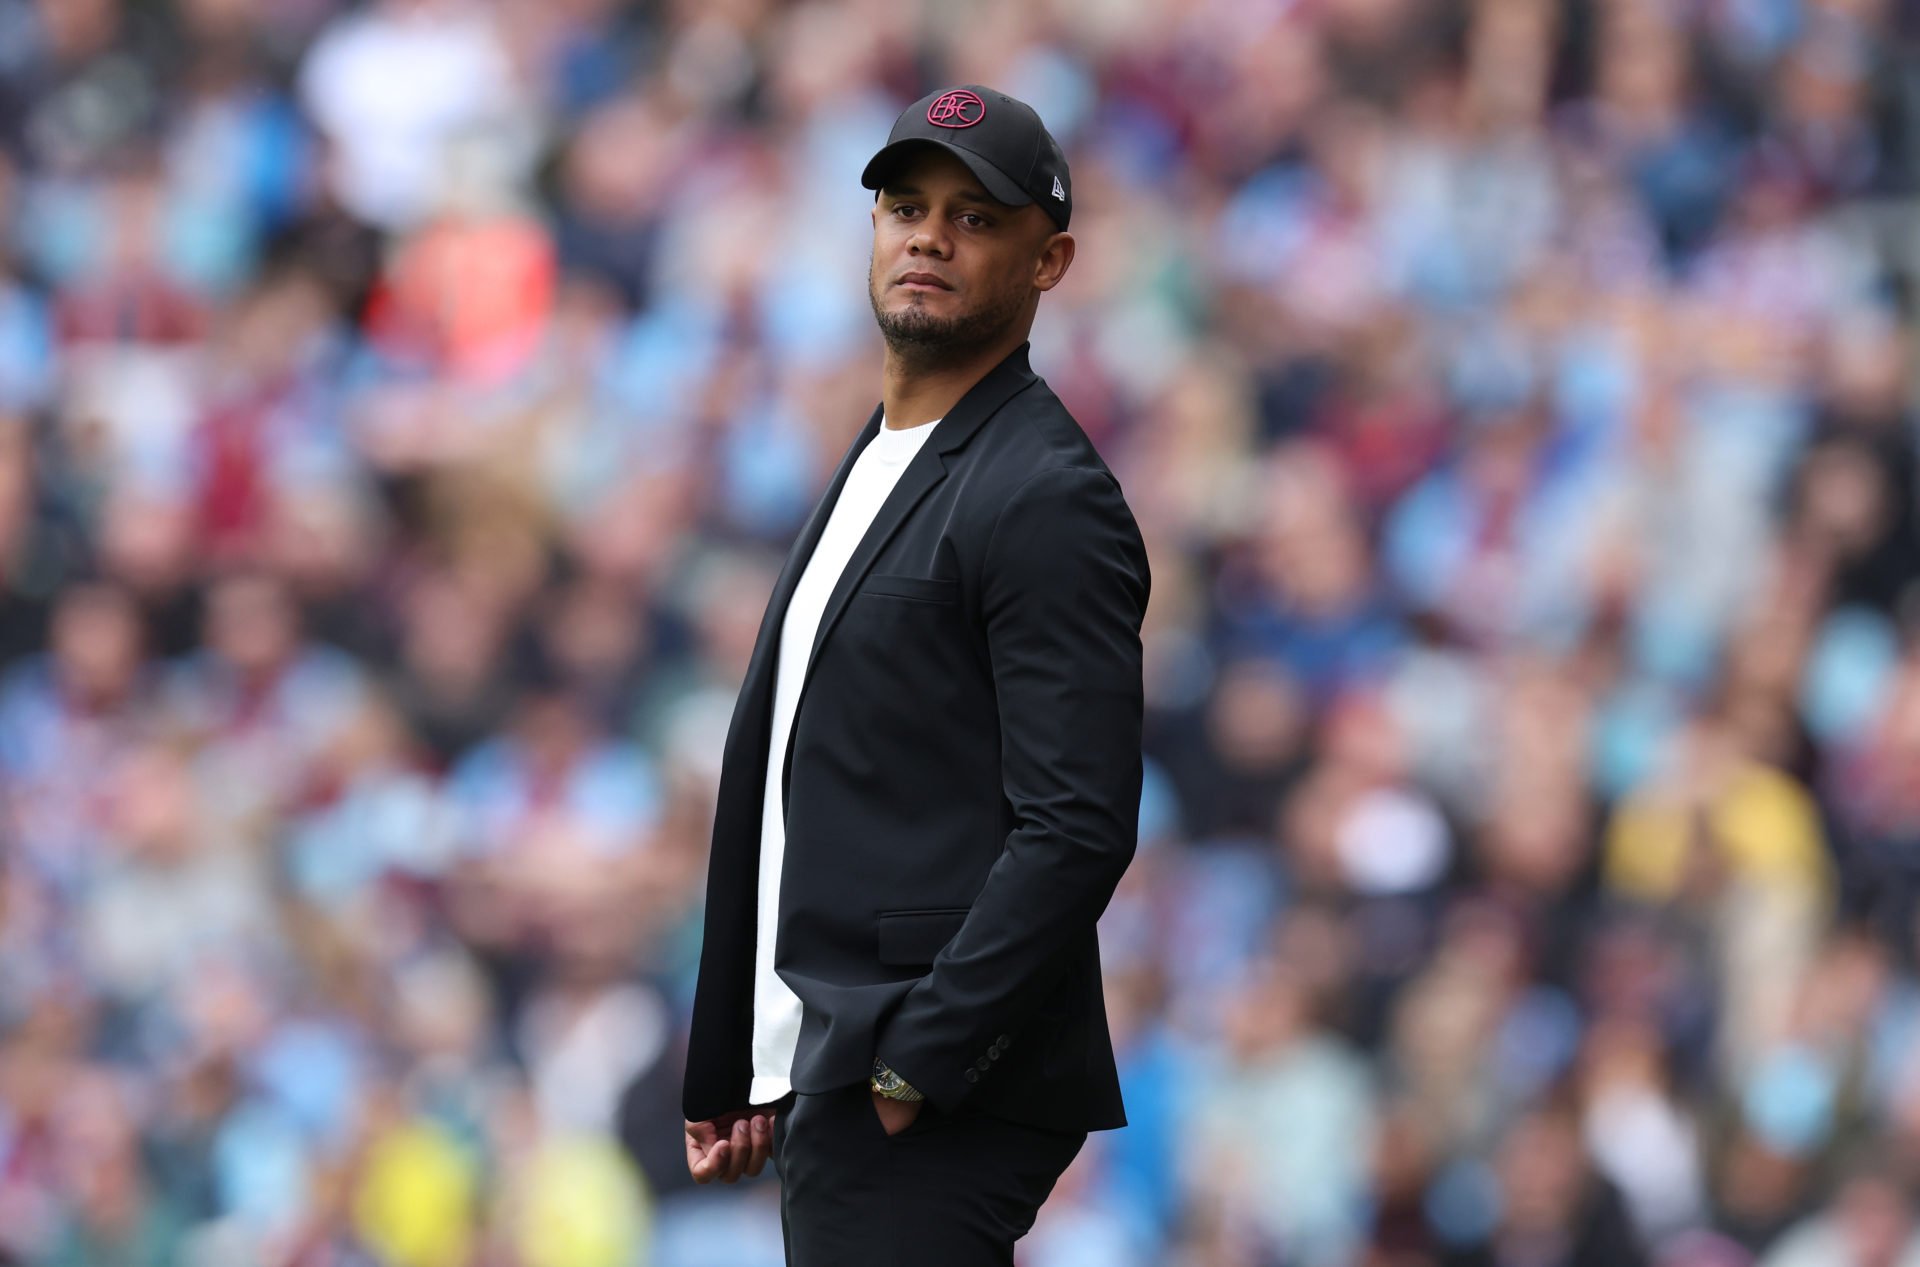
[[1056, 256]]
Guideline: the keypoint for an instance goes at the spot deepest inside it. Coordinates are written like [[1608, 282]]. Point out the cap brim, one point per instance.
[[997, 182]]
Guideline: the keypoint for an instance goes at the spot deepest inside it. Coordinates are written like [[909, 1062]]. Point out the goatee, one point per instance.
[[923, 341]]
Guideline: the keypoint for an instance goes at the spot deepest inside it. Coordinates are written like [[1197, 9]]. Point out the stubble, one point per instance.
[[923, 340]]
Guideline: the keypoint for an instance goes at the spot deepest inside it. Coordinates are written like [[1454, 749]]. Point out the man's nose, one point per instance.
[[926, 242]]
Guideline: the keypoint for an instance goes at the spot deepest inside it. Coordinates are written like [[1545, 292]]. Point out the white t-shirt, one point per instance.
[[776, 1010]]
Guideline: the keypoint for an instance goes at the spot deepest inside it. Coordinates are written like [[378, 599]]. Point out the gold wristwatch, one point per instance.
[[891, 1084]]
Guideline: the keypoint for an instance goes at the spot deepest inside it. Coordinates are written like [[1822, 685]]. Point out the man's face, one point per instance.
[[953, 270]]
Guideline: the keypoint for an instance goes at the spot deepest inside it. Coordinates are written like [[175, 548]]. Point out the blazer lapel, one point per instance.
[[809, 537], [928, 468], [756, 687]]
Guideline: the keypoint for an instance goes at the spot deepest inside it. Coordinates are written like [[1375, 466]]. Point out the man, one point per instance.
[[932, 778]]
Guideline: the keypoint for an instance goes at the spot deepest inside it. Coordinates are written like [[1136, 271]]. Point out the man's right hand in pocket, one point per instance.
[[729, 1146]]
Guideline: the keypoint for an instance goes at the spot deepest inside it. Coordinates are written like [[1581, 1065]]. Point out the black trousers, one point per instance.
[[952, 1190]]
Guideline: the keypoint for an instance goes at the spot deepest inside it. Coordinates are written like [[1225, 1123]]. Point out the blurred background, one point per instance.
[[404, 410]]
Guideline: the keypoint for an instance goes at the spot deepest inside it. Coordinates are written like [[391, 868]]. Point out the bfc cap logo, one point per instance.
[[956, 109]]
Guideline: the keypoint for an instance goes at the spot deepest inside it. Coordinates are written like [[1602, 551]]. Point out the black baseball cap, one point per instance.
[[1000, 139]]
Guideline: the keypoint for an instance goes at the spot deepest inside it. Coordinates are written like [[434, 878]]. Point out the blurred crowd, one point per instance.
[[405, 408]]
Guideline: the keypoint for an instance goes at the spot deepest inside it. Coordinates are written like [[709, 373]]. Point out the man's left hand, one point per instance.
[[896, 1115]]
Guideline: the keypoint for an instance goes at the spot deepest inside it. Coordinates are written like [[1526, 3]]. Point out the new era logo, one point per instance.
[[1059, 190]]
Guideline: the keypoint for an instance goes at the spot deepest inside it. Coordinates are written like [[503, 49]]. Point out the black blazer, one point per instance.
[[962, 781]]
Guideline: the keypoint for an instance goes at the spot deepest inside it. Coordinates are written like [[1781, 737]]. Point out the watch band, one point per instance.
[[890, 1084]]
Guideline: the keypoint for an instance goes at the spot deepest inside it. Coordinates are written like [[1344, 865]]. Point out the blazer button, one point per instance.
[[994, 1054], [1005, 1041], [972, 1076], [983, 1064]]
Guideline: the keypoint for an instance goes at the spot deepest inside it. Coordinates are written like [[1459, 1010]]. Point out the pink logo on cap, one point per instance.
[[956, 109]]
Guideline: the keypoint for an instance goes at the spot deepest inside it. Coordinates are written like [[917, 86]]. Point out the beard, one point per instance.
[[922, 341]]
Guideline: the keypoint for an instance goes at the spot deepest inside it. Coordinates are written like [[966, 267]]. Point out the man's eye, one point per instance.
[[973, 221], [903, 210]]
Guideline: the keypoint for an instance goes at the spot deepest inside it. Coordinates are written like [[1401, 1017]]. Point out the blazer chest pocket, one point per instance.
[[922, 588], [917, 937]]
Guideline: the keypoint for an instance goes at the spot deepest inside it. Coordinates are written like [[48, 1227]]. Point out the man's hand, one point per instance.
[[895, 1115], [729, 1146]]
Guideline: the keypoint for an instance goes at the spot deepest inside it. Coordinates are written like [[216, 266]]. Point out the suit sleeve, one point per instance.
[[1064, 589]]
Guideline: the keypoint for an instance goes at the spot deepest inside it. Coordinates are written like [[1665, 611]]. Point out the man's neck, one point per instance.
[[914, 394]]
